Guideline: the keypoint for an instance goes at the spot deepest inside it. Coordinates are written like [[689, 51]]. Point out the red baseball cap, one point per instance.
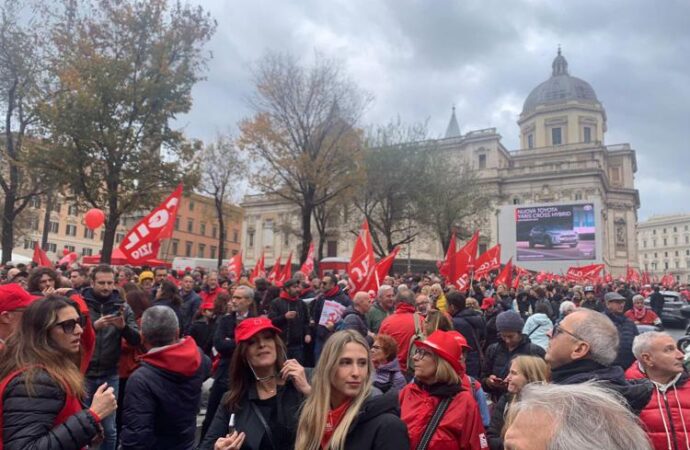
[[252, 325], [446, 346], [488, 302], [13, 296]]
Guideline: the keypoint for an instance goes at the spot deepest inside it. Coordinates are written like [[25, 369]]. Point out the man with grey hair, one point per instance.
[[162, 395], [667, 414], [553, 417], [382, 307], [583, 348]]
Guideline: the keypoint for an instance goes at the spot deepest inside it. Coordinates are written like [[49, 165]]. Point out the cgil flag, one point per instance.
[[235, 266], [259, 271], [308, 266], [144, 239], [362, 262], [488, 261]]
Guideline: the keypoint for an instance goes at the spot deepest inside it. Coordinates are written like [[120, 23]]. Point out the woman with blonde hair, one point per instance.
[[341, 413], [438, 297], [523, 370], [41, 386], [439, 412]]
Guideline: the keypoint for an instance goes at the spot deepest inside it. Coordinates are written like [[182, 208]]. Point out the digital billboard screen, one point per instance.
[[555, 233]]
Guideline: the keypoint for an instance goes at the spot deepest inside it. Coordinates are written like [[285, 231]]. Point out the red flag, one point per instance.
[[645, 277], [488, 261], [275, 271], [506, 275], [381, 270], [308, 266], [464, 261], [447, 268], [144, 239], [362, 262], [259, 270], [584, 273], [235, 266], [286, 273], [519, 273], [40, 257], [668, 281], [632, 276], [68, 259]]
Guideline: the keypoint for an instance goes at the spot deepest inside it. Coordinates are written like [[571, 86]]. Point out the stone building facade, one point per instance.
[[664, 246]]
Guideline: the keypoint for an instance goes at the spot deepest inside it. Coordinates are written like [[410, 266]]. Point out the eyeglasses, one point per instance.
[[421, 353], [558, 330], [376, 347], [68, 326]]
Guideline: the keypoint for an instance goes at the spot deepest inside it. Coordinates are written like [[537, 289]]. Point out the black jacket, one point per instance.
[[354, 320], [470, 324], [637, 394], [498, 357], [224, 341], [295, 329], [495, 430], [162, 398], [106, 354], [627, 330], [190, 305], [283, 424], [378, 425], [656, 301], [202, 331], [28, 419]]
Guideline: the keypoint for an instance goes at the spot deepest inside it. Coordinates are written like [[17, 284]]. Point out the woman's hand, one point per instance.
[[292, 370], [232, 441], [104, 401]]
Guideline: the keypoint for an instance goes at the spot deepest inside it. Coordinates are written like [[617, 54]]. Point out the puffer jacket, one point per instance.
[[470, 324], [378, 425], [498, 357], [667, 415], [28, 419], [401, 327], [627, 331], [460, 427], [536, 327], [106, 353], [162, 397]]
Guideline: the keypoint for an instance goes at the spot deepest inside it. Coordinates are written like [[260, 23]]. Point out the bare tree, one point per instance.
[[303, 133], [222, 175]]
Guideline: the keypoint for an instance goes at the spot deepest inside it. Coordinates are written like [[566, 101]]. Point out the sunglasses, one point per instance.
[[68, 326], [558, 330]]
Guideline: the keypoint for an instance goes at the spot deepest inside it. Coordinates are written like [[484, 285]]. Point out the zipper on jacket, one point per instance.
[[670, 421]]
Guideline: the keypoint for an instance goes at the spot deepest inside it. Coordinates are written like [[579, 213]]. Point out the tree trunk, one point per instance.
[[8, 227], [50, 200], [307, 210], [221, 234]]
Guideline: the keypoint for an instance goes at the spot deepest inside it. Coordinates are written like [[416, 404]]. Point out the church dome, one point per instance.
[[560, 88]]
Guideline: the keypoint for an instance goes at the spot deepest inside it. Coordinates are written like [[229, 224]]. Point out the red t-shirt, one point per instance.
[[332, 422]]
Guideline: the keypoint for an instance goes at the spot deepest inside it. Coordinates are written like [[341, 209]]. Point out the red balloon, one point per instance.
[[94, 218]]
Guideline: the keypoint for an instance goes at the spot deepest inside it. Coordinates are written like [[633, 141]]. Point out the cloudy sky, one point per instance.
[[419, 58]]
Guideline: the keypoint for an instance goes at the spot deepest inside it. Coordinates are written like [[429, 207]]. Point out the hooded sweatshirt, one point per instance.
[[536, 327], [162, 397]]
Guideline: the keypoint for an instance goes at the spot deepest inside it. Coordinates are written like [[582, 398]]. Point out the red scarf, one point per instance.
[[335, 290], [284, 295], [639, 315], [332, 422]]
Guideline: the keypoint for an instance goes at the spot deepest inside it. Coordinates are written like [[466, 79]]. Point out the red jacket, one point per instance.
[[666, 417], [400, 326], [208, 297], [460, 428], [649, 317], [634, 372]]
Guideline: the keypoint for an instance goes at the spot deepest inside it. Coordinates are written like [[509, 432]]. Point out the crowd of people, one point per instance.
[[117, 357]]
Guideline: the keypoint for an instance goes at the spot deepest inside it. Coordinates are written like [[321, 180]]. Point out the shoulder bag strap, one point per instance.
[[535, 329], [433, 423], [265, 424]]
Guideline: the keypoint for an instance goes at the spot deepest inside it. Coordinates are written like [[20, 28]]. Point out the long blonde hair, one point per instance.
[[535, 370], [312, 420]]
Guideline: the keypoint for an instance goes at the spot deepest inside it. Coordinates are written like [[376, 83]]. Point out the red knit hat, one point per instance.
[[445, 344], [13, 296], [252, 325]]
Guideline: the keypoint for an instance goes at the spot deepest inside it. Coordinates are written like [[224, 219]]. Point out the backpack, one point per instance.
[[417, 336]]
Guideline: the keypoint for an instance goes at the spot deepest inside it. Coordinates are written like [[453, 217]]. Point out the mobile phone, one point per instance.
[[231, 424]]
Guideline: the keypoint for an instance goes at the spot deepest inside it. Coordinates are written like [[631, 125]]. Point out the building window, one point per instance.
[[190, 225], [119, 237], [52, 247], [676, 252], [578, 196], [588, 134], [191, 205], [687, 239], [516, 201], [556, 136], [664, 230], [177, 223], [70, 248], [675, 240], [644, 244], [332, 249], [214, 250], [482, 161], [29, 244], [687, 252], [653, 231], [666, 254], [53, 227], [56, 208], [175, 245], [656, 255], [202, 250], [235, 236], [88, 233], [73, 210], [666, 265], [665, 242], [530, 140], [35, 202], [202, 229], [188, 249], [71, 230], [250, 238], [214, 231], [675, 229], [86, 251], [286, 238]]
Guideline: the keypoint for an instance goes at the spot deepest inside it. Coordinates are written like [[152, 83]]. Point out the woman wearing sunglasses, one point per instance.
[[41, 386]]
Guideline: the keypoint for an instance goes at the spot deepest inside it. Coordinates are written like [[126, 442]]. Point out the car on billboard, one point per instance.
[[551, 236]]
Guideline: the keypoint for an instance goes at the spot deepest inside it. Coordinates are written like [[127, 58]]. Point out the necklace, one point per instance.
[[265, 388]]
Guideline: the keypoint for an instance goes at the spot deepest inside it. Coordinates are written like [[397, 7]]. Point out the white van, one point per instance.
[[180, 263]]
